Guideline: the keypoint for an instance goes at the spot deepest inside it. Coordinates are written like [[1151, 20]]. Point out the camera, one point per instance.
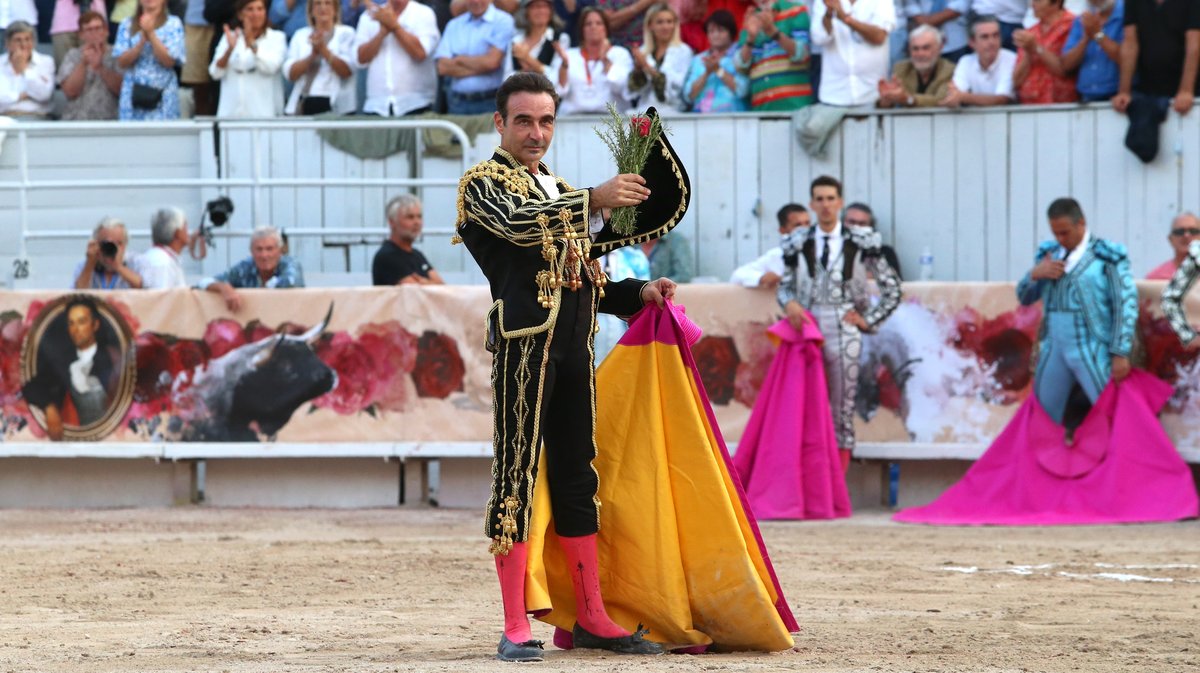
[[108, 248], [219, 210]]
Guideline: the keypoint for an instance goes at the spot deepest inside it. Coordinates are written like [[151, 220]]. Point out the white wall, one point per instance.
[[973, 186]]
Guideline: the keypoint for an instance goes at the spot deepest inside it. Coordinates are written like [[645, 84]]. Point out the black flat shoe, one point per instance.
[[633, 643], [530, 650]]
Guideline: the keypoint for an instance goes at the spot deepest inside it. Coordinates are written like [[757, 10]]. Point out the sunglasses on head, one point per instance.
[[1185, 231]]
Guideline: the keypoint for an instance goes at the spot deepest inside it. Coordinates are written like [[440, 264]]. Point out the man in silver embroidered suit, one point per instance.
[[826, 273]]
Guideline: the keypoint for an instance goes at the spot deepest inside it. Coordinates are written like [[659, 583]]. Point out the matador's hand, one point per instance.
[[658, 291], [796, 315], [1120, 368], [626, 189]]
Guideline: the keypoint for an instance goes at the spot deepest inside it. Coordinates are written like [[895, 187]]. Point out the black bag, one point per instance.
[[146, 97], [315, 105]]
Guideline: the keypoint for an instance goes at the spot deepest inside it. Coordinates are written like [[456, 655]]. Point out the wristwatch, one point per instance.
[[1099, 37]]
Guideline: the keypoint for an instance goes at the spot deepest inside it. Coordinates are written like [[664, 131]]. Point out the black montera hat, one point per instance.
[[670, 193]]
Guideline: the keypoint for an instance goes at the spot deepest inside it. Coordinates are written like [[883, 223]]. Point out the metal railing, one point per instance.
[[257, 182]]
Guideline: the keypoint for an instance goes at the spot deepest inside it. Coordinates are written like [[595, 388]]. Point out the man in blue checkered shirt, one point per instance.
[[266, 266]]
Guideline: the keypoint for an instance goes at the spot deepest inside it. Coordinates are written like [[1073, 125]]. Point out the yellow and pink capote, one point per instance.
[[678, 549]]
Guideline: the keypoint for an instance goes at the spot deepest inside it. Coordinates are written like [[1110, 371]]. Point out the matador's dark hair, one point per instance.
[[1065, 207], [524, 82]]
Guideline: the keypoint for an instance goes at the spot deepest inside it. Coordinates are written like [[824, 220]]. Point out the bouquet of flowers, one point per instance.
[[630, 141]]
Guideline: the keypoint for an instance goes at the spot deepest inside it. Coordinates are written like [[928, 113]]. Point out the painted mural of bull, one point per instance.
[[253, 390]]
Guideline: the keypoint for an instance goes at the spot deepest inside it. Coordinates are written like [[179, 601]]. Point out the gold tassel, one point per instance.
[[503, 543]]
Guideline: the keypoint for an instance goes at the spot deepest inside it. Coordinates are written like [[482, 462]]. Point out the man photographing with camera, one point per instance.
[[104, 268]]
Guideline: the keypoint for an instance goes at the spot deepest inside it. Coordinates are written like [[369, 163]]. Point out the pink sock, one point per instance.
[[589, 606], [844, 454], [563, 639], [511, 569]]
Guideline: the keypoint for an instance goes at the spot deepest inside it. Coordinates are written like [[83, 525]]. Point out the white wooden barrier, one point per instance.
[[971, 185]]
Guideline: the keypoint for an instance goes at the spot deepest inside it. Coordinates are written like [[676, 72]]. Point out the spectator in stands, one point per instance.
[[1039, 76], [26, 76], [859, 214], [267, 266], [1160, 57], [64, 27], [89, 77], [773, 50], [854, 43], [1093, 50], [538, 29], [198, 37], [693, 24], [104, 267], [289, 15], [159, 266], [625, 20], [767, 270], [319, 62], [1009, 16], [661, 64], [441, 9], [924, 79], [984, 77], [247, 64], [149, 47], [1185, 228], [670, 253], [949, 17], [471, 55], [397, 262], [395, 44], [594, 74], [714, 83]]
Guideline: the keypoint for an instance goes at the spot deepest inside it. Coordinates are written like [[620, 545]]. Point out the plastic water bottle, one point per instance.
[[926, 264]]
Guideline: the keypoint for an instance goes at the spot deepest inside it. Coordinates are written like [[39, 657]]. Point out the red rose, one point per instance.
[[223, 335], [1005, 342], [717, 359], [153, 369], [12, 337], [439, 368], [641, 125], [371, 369], [1165, 356]]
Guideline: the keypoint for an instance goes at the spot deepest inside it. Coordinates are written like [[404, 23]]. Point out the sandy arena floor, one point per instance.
[[196, 589]]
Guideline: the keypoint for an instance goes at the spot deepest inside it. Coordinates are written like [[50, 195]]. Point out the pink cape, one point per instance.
[[788, 457], [1122, 468]]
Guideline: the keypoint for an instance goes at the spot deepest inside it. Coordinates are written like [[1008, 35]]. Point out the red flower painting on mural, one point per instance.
[[717, 359], [1005, 342], [439, 367]]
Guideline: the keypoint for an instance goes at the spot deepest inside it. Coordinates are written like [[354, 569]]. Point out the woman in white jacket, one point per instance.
[[247, 64], [320, 61], [592, 75], [661, 64]]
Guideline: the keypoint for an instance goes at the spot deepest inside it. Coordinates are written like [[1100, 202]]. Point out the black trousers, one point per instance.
[[544, 390]]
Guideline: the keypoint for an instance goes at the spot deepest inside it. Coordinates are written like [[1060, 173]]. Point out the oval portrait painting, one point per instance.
[[78, 368]]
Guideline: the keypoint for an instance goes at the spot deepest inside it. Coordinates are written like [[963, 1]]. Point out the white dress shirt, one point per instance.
[[995, 81], [586, 93], [851, 67], [251, 87], [550, 184], [326, 82], [751, 273], [396, 84], [1008, 11], [833, 239], [160, 269], [676, 63], [1076, 253], [81, 371], [37, 81]]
